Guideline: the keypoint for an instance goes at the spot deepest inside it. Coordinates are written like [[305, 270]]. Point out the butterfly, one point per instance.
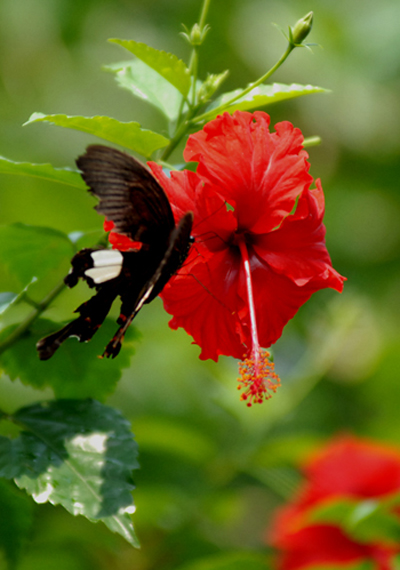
[[131, 198]]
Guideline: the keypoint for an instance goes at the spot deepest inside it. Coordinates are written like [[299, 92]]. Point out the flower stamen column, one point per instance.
[[257, 374]]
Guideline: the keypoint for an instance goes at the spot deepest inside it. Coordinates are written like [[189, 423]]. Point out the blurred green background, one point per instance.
[[212, 469]]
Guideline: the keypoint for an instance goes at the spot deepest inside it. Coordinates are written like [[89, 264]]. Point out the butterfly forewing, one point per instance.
[[128, 194]]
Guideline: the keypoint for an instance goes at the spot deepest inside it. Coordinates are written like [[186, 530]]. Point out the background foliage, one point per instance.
[[212, 470]]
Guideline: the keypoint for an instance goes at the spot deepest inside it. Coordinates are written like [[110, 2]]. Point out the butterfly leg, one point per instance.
[[125, 318]]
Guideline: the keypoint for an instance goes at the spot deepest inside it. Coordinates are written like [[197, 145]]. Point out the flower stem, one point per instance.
[[182, 127], [203, 14], [179, 134], [217, 110], [193, 65], [37, 311]]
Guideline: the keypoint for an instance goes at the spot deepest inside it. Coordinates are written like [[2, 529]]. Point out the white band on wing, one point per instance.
[[102, 274], [104, 257]]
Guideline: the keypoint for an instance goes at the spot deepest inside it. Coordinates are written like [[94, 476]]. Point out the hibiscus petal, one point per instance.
[[212, 224], [204, 305], [277, 299], [317, 545], [297, 248], [336, 469], [241, 158], [181, 188], [348, 467]]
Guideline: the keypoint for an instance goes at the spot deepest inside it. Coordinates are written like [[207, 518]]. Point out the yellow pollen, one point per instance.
[[258, 378]]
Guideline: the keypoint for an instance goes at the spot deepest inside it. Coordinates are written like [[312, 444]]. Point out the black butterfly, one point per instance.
[[132, 198]]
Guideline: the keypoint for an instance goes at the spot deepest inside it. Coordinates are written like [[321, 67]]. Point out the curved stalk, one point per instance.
[[209, 114], [33, 315]]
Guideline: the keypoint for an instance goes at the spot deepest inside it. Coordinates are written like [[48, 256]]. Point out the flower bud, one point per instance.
[[210, 85], [301, 29], [196, 35]]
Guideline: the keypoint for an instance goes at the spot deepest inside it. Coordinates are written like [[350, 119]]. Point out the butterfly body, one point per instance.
[[132, 199]]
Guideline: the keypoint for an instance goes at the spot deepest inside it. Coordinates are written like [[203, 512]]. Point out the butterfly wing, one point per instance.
[[175, 255], [132, 198], [129, 195], [91, 316]]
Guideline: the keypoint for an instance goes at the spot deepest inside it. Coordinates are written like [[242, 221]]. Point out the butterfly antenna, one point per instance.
[[210, 215], [202, 284], [209, 292], [213, 235]]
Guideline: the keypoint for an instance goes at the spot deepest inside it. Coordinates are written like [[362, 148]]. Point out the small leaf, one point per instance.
[[149, 86], [260, 96], [79, 454], [29, 251], [15, 523], [129, 135], [47, 172], [75, 371], [166, 64]]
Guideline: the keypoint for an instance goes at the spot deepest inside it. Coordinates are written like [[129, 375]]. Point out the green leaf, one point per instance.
[[47, 172], [79, 454], [29, 251], [166, 64], [129, 135], [149, 86], [75, 371], [260, 96], [162, 435], [16, 525], [229, 561], [364, 521]]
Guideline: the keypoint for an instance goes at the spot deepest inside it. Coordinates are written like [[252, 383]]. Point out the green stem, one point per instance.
[[24, 326], [210, 114], [183, 127], [180, 133], [193, 72], [202, 23], [203, 14]]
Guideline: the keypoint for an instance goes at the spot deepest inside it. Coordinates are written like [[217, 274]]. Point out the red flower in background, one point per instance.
[[259, 250], [348, 468]]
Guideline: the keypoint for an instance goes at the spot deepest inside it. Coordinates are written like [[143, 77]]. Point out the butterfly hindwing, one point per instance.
[[174, 256]]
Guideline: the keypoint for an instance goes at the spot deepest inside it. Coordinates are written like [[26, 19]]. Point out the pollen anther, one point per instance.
[[258, 378]]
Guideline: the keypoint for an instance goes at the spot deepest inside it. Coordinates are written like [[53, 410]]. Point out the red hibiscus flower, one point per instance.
[[119, 241], [348, 468], [259, 250]]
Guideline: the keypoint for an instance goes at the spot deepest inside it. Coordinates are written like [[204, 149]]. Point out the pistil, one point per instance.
[[257, 374]]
